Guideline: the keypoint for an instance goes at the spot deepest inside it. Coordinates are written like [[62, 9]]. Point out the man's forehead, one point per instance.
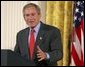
[[32, 7]]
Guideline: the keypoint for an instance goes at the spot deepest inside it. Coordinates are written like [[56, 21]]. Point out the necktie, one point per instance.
[[31, 43]]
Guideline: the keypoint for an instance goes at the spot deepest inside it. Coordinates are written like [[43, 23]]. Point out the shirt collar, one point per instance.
[[37, 27]]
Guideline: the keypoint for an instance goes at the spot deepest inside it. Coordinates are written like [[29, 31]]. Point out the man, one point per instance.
[[44, 48]]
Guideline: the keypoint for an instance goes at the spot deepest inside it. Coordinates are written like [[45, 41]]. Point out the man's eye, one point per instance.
[[27, 15], [32, 14]]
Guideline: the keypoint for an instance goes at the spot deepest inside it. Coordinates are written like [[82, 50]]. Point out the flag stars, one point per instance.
[[82, 13], [75, 18], [77, 10], [83, 1], [78, 3]]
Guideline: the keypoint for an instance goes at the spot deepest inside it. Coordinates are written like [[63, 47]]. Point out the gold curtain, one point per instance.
[[60, 15]]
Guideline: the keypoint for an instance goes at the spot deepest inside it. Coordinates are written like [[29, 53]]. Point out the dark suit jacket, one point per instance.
[[48, 39]]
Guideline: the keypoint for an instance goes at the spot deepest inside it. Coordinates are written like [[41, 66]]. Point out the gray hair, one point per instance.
[[32, 5]]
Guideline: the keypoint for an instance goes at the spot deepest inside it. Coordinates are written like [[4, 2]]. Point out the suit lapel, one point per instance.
[[26, 43], [39, 38], [40, 35]]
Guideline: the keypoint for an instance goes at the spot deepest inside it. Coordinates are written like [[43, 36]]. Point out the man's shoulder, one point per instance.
[[50, 27], [23, 30]]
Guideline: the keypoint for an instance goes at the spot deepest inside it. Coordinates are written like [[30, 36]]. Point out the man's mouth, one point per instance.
[[31, 21]]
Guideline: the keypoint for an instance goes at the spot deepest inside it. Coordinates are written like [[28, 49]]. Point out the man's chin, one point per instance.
[[32, 26]]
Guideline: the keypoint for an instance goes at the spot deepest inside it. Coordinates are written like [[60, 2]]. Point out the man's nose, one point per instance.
[[31, 17]]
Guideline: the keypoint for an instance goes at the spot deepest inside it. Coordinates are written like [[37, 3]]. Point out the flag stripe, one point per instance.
[[77, 46], [82, 41], [78, 30], [72, 63], [75, 55], [82, 25]]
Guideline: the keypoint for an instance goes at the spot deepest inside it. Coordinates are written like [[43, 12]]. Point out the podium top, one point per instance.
[[10, 58]]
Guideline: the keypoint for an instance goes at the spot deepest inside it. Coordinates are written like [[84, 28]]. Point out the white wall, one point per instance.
[[12, 21]]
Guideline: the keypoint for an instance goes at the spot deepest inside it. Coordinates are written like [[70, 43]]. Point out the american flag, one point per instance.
[[77, 43]]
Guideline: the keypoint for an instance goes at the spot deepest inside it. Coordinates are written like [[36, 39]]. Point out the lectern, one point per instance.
[[10, 58]]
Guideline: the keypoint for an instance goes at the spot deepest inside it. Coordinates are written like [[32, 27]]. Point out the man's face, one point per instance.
[[31, 16]]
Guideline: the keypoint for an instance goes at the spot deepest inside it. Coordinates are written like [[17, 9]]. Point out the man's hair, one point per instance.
[[32, 5]]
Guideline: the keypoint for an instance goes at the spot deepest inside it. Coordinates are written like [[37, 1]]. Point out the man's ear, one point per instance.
[[40, 15]]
